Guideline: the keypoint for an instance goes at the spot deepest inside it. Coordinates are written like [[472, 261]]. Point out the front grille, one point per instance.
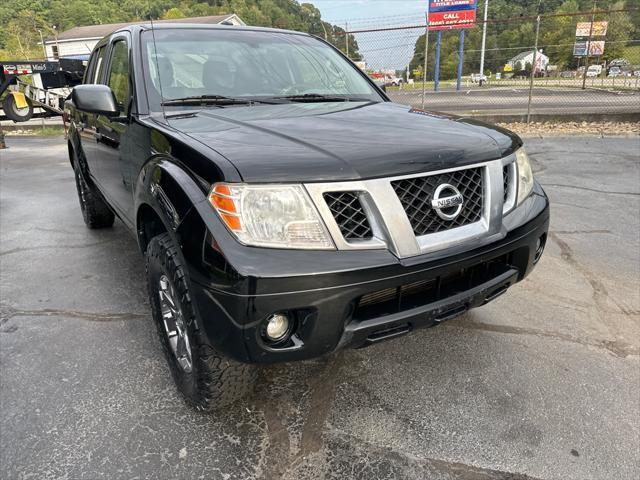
[[347, 210], [416, 294], [506, 175], [416, 195]]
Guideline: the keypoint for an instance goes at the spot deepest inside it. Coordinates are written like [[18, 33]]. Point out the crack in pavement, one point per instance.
[[7, 312], [608, 192], [49, 247], [619, 349], [578, 232], [600, 294], [444, 468]]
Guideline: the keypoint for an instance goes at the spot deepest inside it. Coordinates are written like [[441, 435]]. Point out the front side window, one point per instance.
[[119, 72], [246, 64]]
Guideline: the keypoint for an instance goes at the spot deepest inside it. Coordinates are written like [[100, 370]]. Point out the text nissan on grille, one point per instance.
[[284, 206]]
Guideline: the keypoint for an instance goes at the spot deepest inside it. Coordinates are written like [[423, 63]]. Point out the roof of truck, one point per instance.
[[99, 31]]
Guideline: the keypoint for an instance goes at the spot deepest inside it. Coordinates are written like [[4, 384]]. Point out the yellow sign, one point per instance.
[[21, 102], [508, 68], [583, 29]]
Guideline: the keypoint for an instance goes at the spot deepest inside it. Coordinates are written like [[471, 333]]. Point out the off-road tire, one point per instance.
[[95, 211], [215, 381], [12, 112]]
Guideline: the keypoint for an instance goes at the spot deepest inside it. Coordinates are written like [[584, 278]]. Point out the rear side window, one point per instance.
[[93, 69], [119, 72], [97, 73]]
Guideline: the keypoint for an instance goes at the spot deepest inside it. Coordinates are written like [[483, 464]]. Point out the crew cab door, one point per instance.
[[113, 132], [86, 122]]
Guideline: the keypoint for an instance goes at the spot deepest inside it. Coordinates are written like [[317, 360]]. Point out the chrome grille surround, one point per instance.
[[391, 227], [510, 182]]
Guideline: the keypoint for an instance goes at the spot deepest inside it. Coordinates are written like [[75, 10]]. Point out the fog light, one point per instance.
[[277, 327], [539, 248]]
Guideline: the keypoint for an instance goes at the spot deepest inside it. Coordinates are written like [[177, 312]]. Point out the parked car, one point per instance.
[[393, 81], [478, 78], [619, 62], [594, 71], [283, 217], [615, 71], [567, 74]]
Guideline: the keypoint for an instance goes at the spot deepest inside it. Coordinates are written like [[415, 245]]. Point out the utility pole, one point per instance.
[[346, 35], [426, 52], [55, 32], [326, 37], [484, 39], [533, 67], [586, 65], [44, 50]]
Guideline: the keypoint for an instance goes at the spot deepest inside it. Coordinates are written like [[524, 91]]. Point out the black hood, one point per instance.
[[341, 141]]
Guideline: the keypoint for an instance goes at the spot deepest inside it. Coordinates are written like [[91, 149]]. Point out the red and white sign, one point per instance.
[[434, 5], [449, 20], [448, 14]]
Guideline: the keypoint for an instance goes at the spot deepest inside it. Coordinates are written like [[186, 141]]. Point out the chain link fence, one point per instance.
[[516, 81]]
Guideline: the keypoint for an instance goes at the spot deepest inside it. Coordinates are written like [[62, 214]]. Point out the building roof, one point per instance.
[[523, 55], [99, 31]]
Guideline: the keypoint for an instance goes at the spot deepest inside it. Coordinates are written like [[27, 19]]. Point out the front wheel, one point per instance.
[[206, 379]]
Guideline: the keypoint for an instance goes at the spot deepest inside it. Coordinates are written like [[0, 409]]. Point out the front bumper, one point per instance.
[[354, 306]]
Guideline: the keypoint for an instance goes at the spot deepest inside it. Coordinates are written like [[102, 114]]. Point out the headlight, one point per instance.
[[277, 216], [525, 175]]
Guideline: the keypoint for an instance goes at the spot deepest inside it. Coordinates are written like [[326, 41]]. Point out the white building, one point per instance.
[[519, 62], [79, 41]]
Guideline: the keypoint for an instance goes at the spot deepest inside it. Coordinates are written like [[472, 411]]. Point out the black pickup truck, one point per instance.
[[286, 208]]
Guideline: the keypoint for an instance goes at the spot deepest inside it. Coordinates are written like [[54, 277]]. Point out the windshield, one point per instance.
[[246, 64]]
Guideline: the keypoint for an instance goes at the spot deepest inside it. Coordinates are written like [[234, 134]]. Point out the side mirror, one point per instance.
[[95, 99]]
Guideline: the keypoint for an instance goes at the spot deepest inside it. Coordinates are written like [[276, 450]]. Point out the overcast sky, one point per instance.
[[380, 49], [340, 10]]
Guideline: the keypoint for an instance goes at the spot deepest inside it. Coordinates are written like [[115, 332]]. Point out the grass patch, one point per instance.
[[48, 131], [632, 53]]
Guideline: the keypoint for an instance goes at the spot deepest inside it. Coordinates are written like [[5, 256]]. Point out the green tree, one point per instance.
[[173, 13]]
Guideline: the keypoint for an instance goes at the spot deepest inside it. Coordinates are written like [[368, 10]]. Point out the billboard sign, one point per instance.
[[450, 14], [585, 48], [596, 48], [580, 49], [583, 29]]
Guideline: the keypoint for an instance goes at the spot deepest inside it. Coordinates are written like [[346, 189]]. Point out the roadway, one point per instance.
[[507, 101]]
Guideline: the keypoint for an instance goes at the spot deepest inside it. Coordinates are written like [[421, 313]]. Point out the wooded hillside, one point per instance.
[[22, 21], [512, 30]]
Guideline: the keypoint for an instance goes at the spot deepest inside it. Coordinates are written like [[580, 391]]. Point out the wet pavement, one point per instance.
[[544, 383]]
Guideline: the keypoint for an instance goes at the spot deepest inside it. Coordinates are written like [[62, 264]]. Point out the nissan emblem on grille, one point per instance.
[[447, 201]]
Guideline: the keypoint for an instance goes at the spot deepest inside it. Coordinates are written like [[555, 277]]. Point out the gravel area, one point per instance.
[[562, 129]]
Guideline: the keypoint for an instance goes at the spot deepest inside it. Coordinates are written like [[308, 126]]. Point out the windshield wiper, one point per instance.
[[316, 97], [220, 100]]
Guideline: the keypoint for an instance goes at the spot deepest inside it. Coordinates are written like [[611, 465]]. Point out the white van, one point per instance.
[[594, 70]]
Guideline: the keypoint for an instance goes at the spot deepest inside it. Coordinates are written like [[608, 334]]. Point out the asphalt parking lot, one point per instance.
[[544, 383]]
